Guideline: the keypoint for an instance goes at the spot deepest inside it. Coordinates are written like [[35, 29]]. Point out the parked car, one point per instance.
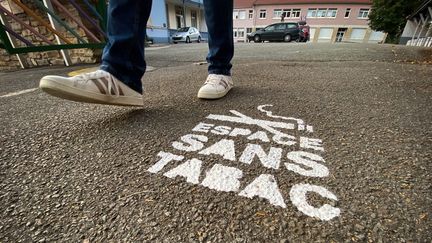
[[304, 32], [286, 31], [186, 34]]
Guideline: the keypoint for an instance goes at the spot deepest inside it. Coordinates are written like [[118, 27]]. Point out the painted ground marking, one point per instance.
[[223, 178]]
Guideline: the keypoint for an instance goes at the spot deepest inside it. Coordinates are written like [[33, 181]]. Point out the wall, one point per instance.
[[339, 20], [157, 26], [323, 29]]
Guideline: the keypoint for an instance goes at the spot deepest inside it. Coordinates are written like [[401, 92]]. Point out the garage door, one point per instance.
[[325, 35], [358, 35], [376, 36], [312, 33]]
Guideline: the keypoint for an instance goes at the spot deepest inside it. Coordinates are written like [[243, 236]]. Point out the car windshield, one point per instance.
[[184, 29]]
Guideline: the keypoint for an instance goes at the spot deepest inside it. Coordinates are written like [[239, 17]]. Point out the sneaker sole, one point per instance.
[[212, 96], [60, 90]]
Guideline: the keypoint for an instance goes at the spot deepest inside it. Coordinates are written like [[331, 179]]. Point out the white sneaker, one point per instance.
[[216, 86], [96, 87]]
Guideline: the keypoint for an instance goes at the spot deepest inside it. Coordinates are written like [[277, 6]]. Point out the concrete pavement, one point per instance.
[[325, 143]]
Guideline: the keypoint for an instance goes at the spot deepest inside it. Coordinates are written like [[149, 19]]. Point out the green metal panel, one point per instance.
[[5, 42], [56, 47], [101, 7]]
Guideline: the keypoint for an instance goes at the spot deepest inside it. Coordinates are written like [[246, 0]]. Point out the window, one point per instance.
[[358, 34], [321, 13], [263, 14], [242, 14], [179, 16], [287, 13], [194, 18], [235, 14], [295, 13], [248, 30], [277, 13], [291, 26], [280, 27], [347, 12], [240, 33], [312, 12], [269, 28], [250, 14], [331, 13], [363, 13]]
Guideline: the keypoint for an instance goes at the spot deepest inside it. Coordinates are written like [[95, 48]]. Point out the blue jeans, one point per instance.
[[123, 55]]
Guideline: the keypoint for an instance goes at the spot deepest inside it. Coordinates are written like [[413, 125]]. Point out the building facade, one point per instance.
[[418, 29], [169, 15], [330, 20]]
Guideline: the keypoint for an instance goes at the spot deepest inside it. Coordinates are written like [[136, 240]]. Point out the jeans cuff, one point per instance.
[[107, 68], [220, 72]]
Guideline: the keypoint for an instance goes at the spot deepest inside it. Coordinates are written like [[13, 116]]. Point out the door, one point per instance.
[[179, 21], [279, 32], [340, 34], [268, 32], [191, 34], [196, 33], [293, 30]]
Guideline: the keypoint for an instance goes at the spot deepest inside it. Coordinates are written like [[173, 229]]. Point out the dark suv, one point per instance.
[[276, 32]]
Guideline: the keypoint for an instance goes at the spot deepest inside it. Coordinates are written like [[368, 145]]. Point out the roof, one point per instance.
[[251, 3], [243, 3]]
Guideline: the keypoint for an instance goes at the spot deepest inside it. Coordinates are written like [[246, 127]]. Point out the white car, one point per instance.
[[187, 35]]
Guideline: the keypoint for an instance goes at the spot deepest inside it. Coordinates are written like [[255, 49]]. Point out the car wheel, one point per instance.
[[188, 40], [287, 38], [257, 38], [199, 39], [175, 42]]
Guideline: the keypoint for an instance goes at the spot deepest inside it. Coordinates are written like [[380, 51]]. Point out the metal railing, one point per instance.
[[94, 13]]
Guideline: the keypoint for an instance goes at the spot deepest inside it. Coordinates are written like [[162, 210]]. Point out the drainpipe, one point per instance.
[[254, 15]]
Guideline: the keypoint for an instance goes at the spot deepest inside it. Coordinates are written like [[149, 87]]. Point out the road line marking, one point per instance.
[[156, 48], [19, 92]]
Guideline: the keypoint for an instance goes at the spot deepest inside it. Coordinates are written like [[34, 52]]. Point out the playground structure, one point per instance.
[[28, 26]]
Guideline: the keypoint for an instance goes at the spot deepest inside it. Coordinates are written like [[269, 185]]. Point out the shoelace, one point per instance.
[[97, 75], [214, 80], [92, 75]]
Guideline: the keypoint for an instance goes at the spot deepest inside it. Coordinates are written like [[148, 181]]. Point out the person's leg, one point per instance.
[[123, 65], [218, 15], [123, 55]]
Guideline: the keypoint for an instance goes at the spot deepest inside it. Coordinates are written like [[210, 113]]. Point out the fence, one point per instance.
[[46, 12], [425, 42]]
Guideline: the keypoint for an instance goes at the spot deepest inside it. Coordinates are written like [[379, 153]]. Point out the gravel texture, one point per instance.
[[75, 172]]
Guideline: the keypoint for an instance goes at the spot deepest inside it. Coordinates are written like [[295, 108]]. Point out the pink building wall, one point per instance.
[[244, 23], [322, 29], [339, 20]]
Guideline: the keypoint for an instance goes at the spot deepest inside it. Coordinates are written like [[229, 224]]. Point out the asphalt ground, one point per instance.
[[353, 166]]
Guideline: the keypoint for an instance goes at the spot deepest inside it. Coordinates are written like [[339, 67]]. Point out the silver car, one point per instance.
[[186, 34]]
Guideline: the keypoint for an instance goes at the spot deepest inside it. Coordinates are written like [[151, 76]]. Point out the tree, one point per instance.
[[390, 16]]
